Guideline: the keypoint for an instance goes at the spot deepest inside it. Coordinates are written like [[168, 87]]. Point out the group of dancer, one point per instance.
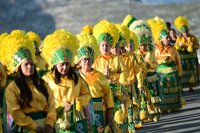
[[108, 78]]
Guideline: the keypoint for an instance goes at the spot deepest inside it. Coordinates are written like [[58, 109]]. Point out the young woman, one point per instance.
[[29, 100], [187, 45], [169, 73], [69, 90], [113, 68], [98, 84]]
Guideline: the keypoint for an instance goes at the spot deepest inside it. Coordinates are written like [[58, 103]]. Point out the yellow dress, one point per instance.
[[115, 64], [168, 71], [189, 60], [38, 103], [67, 91], [99, 87], [191, 42], [101, 97]]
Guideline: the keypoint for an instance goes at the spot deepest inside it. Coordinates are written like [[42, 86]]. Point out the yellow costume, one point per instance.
[[60, 47], [66, 91], [40, 110], [38, 104]]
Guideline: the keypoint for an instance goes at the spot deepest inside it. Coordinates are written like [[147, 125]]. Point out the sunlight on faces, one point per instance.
[[27, 67], [166, 40], [86, 62], [63, 67], [115, 50], [105, 48]]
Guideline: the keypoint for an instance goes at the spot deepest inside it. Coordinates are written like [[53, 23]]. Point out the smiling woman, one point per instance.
[[26, 88]]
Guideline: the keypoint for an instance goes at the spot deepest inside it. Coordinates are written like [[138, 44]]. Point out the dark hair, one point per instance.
[[172, 30], [71, 74], [168, 24], [25, 92]]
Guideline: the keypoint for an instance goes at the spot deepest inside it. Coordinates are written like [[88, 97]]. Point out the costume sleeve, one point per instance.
[[176, 45], [84, 95], [123, 77], [51, 112], [13, 106], [178, 62], [108, 97], [150, 58]]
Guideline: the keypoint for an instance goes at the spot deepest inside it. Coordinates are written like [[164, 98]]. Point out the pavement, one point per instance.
[[186, 120]]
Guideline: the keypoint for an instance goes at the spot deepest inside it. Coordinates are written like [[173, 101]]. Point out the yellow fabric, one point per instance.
[[161, 53], [141, 75], [115, 64], [66, 91], [3, 76], [41, 64], [151, 60], [191, 41], [99, 87], [38, 103], [132, 66]]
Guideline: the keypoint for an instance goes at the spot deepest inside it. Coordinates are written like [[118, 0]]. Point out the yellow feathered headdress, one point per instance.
[[181, 23], [2, 36], [87, 29], [158, 28], [58, 47], [34, 37], [106, 31], [135, 40], [143, 31], [124, 34], [87, 46], [128, 20], [15, 47]]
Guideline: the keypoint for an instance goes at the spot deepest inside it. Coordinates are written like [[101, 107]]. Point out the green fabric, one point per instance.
[[131, 21], [153, 87], [163, 34], [105, 37], [184, 28], [169, 89], [20, 55], [99, 116], [61, 55], [189, 62], [85, 52]]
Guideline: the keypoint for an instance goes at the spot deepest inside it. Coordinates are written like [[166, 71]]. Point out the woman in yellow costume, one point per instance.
[[187, 45], [29, 100], [98, 84], [70, 91], [41, 65], [169, 69], [113, 68]]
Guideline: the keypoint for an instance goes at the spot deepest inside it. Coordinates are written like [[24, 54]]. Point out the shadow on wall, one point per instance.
[[26, 15]]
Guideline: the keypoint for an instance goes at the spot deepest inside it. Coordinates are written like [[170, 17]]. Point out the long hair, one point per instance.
[[71, 74], [25, 92]]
